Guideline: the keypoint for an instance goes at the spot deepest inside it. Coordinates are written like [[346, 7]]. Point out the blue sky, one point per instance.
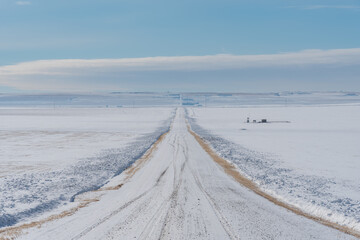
[[116, 29]]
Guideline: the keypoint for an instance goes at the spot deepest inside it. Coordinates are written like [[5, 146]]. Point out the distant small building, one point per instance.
[[263, 120]]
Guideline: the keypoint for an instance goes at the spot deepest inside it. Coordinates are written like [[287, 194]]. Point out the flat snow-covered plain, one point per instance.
[[56, 149], [47, 156], [179, 192], [312, 161]]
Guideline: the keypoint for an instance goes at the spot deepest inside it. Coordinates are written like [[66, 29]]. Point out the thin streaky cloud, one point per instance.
[[317, 7], [183, 63], [23, 3]]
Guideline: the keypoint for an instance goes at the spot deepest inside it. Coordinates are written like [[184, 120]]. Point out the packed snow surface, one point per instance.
[[308, 156], [181, 193], [48, 156]]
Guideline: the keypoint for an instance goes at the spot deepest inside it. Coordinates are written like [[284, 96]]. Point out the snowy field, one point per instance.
[[47, 156], [312, 161], [178, 192], [56, 149]]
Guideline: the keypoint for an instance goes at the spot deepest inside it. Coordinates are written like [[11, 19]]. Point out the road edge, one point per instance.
[[13, 232], [231, 170]]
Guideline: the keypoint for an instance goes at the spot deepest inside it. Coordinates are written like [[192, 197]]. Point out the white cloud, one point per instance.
[[183, 63], [51, 74], [315, 7], [22, 3]]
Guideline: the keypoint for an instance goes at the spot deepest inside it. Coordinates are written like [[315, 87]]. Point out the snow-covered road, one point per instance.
[[179, 192]]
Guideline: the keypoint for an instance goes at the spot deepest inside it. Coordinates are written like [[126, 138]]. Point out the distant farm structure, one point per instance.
[[264, 120]]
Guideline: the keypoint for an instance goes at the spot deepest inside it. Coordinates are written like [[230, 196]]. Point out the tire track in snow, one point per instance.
[[143, 207], [222, 219], [112, 214], [174, 195]]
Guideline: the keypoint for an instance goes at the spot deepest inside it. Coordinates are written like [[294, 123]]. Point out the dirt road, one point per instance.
[[179, 192]]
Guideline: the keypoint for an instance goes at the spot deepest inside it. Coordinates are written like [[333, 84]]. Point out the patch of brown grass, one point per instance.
[[140, 162], [11, 233], [232, 171], [111, 188]]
